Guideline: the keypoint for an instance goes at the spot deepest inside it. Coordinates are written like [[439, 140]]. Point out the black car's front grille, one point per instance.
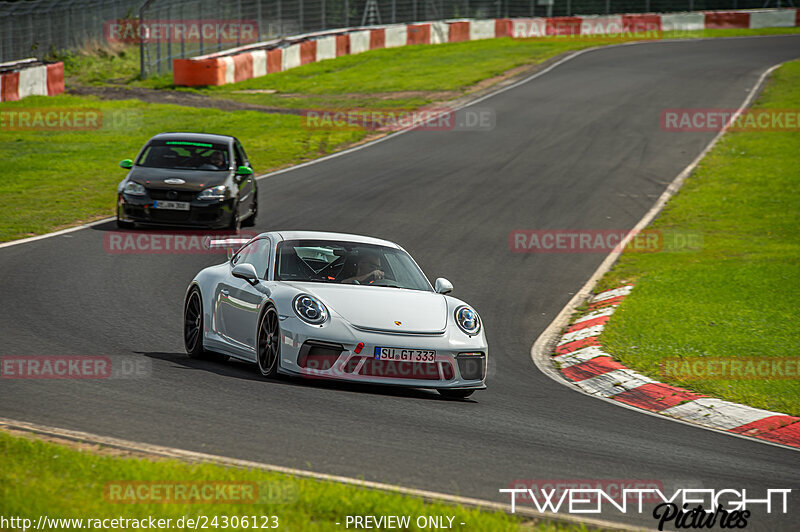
[[167, 215], [171, 194]]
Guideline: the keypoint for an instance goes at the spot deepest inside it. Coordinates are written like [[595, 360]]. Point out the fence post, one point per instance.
[[142, 9], [239, 21], [280, 19]]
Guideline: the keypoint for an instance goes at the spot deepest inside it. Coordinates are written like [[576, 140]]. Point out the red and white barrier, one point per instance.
[[30, 78], [274, 56]]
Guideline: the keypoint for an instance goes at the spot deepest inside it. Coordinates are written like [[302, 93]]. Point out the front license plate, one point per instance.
[[405, 355], [174, 205]]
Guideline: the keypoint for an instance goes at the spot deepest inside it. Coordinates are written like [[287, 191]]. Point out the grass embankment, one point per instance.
[[737, 296], [44, 479]]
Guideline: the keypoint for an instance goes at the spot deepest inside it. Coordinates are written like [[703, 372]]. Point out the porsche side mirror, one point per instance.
[[245, 271], [443, 286], [127, 164], [244, 170]]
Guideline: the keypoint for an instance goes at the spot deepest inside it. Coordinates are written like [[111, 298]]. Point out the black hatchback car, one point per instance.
[[188, 179]]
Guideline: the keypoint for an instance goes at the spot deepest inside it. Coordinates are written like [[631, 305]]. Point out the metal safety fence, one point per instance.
[[169, 29], [43, 27]]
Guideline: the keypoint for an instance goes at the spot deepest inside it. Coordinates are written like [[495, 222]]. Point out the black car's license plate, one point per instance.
[[173, 205]]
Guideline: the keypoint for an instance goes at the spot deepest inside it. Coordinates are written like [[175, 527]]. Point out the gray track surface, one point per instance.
[[580, 147]]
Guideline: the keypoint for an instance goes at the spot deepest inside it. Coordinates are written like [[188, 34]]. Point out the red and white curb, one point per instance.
[[580, 359]]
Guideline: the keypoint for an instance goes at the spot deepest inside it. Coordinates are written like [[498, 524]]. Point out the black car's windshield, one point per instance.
[[185, 155], [328, 261]]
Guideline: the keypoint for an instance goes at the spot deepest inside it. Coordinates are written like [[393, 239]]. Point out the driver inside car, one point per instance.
[[216, 161], [368, 269]]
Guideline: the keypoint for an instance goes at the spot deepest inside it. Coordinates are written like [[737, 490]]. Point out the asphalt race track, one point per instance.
[[577, 148]]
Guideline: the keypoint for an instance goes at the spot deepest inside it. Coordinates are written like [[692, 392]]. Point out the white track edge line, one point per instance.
[[546, 340], [192, 456]]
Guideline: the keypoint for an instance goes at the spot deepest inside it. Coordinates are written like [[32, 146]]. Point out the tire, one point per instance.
[[250, 221], [193, 325], [269, 345], [455, 394], [124, 225], [235, 224]]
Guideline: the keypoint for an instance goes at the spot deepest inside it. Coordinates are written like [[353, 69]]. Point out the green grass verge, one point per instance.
[[44, 479], [737, 296], [55, 178]]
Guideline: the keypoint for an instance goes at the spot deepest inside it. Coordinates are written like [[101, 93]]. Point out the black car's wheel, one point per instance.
[[456, 394], [250, 221], [193, 325], [122, 224], [269, 345], [236, 223]]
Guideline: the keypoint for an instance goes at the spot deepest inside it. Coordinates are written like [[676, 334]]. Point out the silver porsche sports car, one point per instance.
[[336, 306]]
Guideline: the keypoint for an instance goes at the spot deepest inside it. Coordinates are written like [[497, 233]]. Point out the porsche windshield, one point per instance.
[[327, 261], [185, 155]]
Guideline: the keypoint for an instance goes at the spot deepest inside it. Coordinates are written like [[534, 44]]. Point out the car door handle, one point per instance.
[[224, 292]]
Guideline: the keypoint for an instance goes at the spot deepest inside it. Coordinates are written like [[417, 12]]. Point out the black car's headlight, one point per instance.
[[310, 309], [134, 189], [213, 193], [468, 320]]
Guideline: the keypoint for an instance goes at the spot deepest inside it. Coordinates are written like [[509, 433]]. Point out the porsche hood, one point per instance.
[[384, 309]]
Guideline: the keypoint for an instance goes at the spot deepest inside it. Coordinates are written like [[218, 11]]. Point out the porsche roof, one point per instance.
[[322, 235]]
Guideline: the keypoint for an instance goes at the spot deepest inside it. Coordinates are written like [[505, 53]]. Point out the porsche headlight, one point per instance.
[[468, 320], [310, 309], [134, 189], [213, 193]]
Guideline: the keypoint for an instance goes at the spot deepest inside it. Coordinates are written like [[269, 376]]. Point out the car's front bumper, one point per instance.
[[139, 209], [330, 353]]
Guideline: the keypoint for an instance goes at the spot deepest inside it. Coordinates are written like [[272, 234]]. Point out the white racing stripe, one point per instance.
[[608, 294], [578, 356], [613, 382], [581, 334], [608, 311], [259, 63]]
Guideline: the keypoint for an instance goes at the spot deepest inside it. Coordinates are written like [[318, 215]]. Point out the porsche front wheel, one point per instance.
[[269, 345]]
